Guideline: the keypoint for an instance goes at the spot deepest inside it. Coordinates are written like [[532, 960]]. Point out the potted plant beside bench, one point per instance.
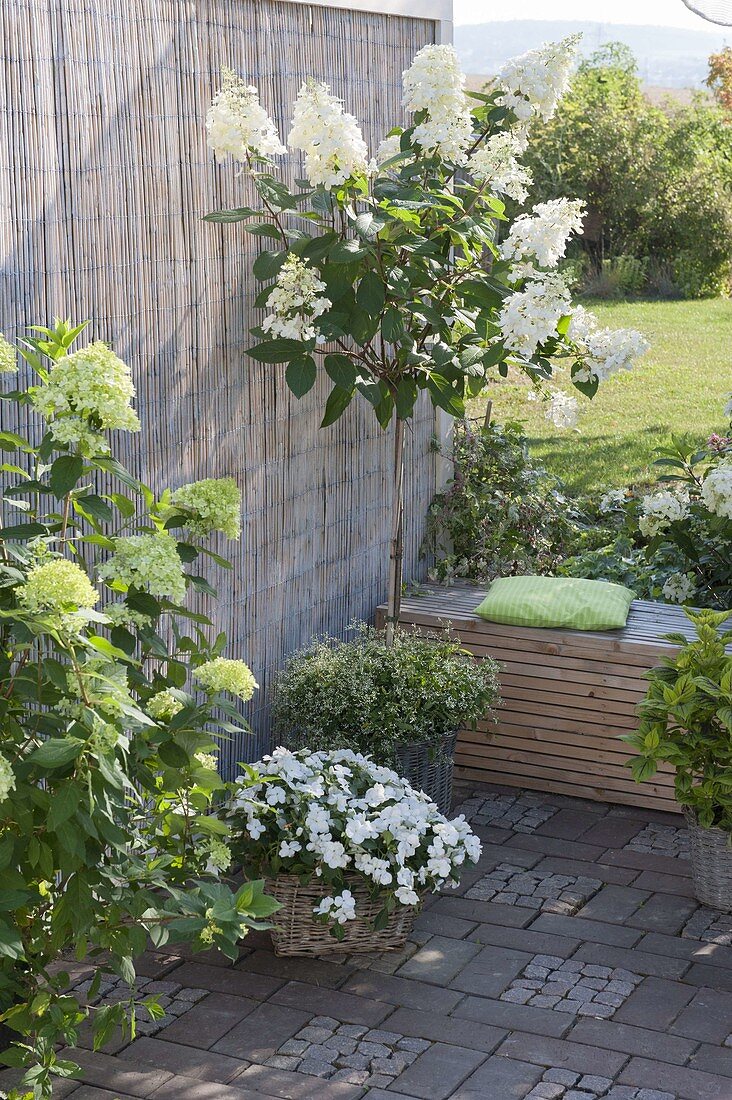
[[686, 720]]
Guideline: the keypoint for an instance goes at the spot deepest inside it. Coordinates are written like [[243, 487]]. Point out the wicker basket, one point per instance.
[[711, 864], [296, 932], [429, 768]]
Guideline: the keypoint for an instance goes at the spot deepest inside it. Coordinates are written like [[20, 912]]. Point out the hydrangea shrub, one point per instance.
[[115, 696], [403, 274], [332, 815]]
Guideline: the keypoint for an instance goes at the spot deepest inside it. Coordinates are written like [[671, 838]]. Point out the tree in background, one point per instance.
[[720, 77], [657, 181]]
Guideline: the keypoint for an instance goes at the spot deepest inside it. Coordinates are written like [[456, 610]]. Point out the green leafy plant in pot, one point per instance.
[[402, 705], [686, 721]]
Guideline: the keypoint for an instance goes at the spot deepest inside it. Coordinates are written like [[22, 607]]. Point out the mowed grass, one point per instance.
[[677, 389]]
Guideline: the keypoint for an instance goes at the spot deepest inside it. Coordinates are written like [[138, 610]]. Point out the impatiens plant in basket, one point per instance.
[[403, 276], [348, 848], [686, 721], [113, 703]]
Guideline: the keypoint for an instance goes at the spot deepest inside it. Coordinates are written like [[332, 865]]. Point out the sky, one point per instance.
[[668, 13]]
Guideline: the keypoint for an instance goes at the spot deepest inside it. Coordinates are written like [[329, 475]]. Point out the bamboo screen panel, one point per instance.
[[105, 178]]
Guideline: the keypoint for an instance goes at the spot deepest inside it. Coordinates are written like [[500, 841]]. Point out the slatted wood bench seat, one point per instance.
[[567, 696]]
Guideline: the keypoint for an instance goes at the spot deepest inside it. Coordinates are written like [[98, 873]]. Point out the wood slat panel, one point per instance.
[[567, 696]]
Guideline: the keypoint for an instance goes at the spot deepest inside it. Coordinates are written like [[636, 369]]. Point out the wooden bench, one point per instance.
[[567, 695]]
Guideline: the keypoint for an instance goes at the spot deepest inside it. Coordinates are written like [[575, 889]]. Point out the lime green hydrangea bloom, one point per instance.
[[147, 561], [223, 674], [219, 856], [8, 357], [213, 504], [164, 705], [60, 586], [7, 778], [87, 393]]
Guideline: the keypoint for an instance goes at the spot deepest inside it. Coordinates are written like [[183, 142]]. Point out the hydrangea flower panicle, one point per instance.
[[236, 123], [329, 137]]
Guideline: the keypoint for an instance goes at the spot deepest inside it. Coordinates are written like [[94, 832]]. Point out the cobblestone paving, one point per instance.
[[523, 813], [569, 985], [172, 997], [661, 840], [552, 893], [628, 998], [709, 926], [373, 1058], [564, 1084]]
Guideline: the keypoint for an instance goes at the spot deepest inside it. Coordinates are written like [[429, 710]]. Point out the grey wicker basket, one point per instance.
[[296, 932], [429, 768], [711, 864]]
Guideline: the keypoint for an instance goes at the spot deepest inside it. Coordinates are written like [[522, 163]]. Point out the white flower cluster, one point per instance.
[[7, 778], [147, 561], [540, 238], [295, 302], [614, 498], [496, 160], [679, 587], [434, 83], [535, 81], [389, 147], [8, 357], [529, 317], [562, 410], [87, 393], [236, 123], [603, 351], [339, 813], [340, 908], [660, 510], [717, 490], [329, 137]]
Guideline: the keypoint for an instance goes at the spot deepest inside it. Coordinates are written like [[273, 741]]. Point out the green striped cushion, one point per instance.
[[557, 601]]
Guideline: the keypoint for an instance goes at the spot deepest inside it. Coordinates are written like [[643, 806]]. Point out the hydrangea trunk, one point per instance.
[[396, 548]]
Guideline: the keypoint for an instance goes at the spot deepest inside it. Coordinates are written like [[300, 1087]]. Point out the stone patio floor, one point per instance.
[[573, 963]]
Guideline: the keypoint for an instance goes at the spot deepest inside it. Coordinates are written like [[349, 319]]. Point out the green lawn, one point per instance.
[[677, 388]]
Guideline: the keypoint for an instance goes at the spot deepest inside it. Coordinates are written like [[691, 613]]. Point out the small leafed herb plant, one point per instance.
[[686, 721], [361, 695]]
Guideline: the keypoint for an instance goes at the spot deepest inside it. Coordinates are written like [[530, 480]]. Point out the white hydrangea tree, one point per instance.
[[401, 275]]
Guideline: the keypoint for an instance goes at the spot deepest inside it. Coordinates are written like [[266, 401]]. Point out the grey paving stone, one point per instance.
[[401, 991], [263, 1080], [105, 1071], [641, 962], [438, 1072], [664, 913], [678, 1080], [561, 1054], [499, 1077], [482, 911], [447, 1029], [439, 960], [184, 1060], [259, 1035], [676, 884], [663, 840], [707, 1017], [594, 931], [503, 1014], [611, 832], [639, 1041], [348, 1009], [655, 1004], [209, 1020], [621, 876], [614, 904], [219, 979]]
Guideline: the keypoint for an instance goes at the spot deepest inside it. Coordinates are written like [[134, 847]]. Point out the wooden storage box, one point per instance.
[[567, 696]]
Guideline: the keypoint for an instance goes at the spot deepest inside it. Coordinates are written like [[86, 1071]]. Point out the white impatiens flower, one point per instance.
[[237, 125], [660, 510], [717, 490], [603, 351], [529, 317], [540, 238], [7, 778], [8, 357], [679, 587], [563, 410], [329, 137], [378, 828], [147, 561], [296, 301], [496, 160], [535, 81], [434, 84], [87, 393]]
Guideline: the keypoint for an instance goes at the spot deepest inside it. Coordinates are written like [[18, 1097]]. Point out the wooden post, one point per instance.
[[396, 548]]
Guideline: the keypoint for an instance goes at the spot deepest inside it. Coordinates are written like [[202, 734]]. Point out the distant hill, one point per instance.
[[667, 56]]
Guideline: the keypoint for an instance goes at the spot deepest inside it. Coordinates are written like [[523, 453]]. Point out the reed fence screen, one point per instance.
[[104, 179]]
